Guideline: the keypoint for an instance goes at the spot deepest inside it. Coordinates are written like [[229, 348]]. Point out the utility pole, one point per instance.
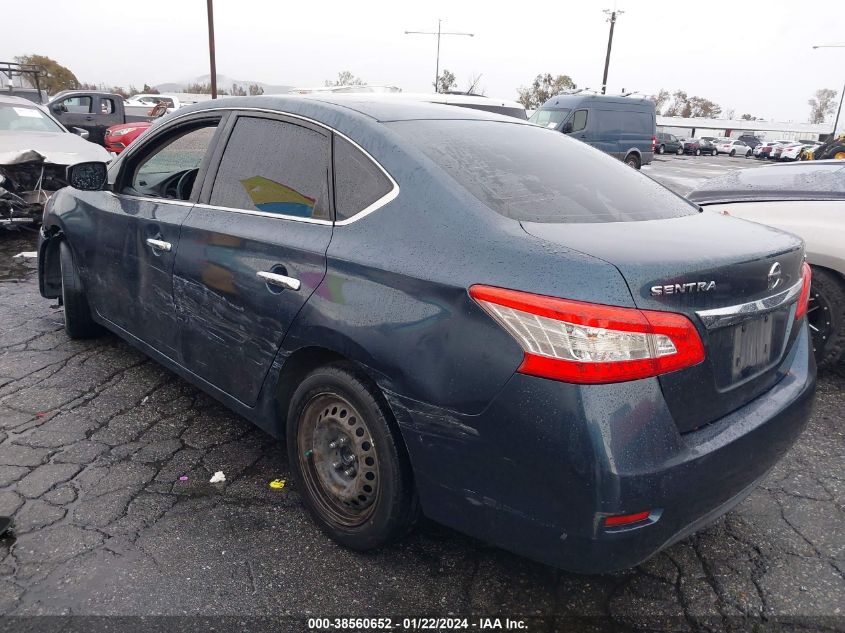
[[438, 33], [842, 95], [211, 49], [612, 20]]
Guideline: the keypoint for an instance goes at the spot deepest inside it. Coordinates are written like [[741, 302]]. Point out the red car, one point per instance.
[[119, 136]]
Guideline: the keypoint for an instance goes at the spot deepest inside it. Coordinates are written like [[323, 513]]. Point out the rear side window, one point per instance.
[[619, 122], [527, 173], [274, 167], [358, 181]]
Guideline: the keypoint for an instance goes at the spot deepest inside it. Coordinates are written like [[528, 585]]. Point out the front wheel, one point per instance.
[[698, 152], [348, 460], [826, 317], [78, 321], [679, 151], [661, 149], [733, 153], [747, 154]]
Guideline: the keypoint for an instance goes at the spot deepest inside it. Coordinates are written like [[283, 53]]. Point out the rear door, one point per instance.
[[254, 250]]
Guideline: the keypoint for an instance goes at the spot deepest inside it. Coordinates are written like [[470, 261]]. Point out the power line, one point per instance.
[[438, 33]]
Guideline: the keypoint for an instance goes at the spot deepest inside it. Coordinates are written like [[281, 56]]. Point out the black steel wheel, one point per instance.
[[826, 317], [632, 160], [348, 460]]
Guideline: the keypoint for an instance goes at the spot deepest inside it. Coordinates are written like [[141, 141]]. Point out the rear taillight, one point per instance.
[[589, 343], [653, 143], [804, 297]]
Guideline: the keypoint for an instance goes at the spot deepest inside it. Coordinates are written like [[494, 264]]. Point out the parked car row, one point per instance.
[[666, 143], [785, 150]]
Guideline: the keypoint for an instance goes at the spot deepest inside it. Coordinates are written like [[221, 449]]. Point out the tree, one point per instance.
[[198, 89], [151, 90], [58, 77], [346, 78], [445, 82], [118, 90], [703, 108], [660, 100], [679, 105], [730, 114], [822, 105], [255, 89], [238, 91], [543, 88], [748, 117]]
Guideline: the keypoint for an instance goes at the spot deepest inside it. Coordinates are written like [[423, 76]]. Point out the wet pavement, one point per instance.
[[94, 438]]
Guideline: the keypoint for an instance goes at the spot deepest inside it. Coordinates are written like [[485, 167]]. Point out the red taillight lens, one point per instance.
[[653, 142], [587, 343], [626, 519], [804, 297]]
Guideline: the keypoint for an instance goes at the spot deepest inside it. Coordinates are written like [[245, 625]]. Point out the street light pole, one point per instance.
[[438, 33], [842, 95], [211, 49], [612, 20]]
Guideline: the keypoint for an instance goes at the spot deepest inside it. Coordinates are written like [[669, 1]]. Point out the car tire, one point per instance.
[[698, 152], [374, 504], [733, 153], [747, 154], [826, 317], [632, 160], [679, 151], [661, 149], [78, 321]]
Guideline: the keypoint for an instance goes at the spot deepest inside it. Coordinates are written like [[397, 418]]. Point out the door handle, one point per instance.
[[279, 280], [89, 118], [159, 245]]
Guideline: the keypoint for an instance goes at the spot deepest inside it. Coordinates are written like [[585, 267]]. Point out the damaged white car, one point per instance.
[[35, 152]]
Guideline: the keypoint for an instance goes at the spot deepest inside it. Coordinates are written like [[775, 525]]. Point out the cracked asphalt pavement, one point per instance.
[[94, 438]]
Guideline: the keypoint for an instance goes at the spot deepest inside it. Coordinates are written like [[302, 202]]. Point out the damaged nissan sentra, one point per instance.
[[448, 312], [35, 152]]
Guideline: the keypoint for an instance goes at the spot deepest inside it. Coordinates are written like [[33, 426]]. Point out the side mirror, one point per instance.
[[58, 108], [567, 127], [80, 132], [87, 176]]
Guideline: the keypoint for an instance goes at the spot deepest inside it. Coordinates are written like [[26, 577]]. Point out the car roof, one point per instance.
[[572, 101], [804, 180], [326, 107]]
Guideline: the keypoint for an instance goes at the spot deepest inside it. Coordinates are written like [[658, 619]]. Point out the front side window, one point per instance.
[[77, 105], [530, 174], [579, 120], [358, 181], [274, 167], [159, 172], [26, 119]]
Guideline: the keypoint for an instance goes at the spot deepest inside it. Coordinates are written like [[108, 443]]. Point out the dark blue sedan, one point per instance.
[[448, 312]]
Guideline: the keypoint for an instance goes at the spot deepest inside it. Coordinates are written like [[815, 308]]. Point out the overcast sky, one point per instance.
[[749, 56]]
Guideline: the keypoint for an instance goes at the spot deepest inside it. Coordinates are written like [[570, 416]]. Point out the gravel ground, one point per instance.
[[94, 438]]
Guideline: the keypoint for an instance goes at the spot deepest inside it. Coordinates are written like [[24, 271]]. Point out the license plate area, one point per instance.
[[749, 348]]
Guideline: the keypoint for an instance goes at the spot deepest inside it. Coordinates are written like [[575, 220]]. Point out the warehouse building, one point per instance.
[[733, 128]]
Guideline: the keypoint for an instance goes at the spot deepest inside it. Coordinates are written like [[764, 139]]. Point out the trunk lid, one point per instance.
[[702, 266]]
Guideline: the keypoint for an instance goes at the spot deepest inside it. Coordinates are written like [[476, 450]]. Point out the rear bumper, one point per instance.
[[538, 471]]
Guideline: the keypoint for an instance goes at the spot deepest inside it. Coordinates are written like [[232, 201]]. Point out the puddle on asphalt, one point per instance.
[[12, 242]]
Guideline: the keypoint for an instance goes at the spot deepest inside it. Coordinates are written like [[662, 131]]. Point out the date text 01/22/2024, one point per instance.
[[414, 624]]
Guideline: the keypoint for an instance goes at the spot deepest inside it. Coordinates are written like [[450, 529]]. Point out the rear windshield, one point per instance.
[[550, 118], [527, 173]]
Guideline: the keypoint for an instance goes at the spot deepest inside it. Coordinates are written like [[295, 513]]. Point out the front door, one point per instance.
[[137, 232], [250, 257]]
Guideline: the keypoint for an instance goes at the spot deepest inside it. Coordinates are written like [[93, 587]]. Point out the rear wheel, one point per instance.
[[698, 152], [826, 317], [748, 153], [733, 153], [78, 321], [348, 460], [632, 160]]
